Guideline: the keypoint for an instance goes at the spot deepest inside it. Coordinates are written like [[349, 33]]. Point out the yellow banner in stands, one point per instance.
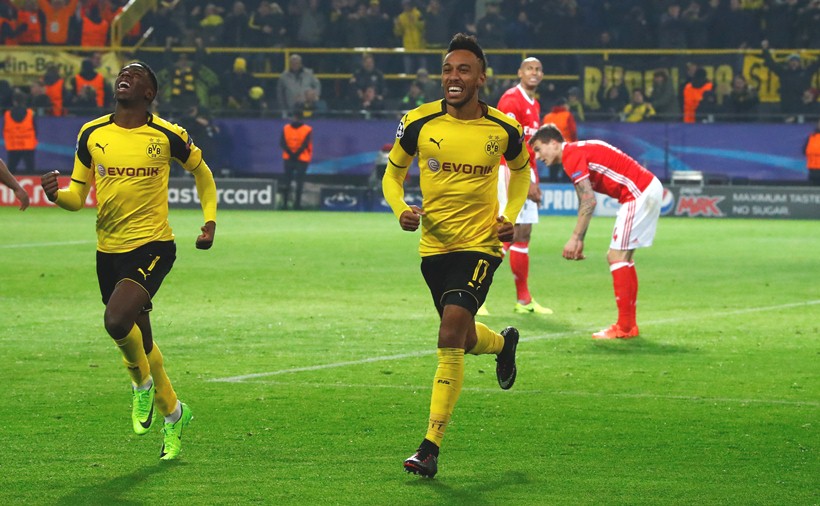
[[21, 67]]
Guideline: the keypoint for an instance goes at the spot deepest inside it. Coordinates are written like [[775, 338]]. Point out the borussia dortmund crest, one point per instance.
[[154, 149], [492, 147]]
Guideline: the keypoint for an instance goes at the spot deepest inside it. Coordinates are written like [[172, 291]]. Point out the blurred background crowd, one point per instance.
[[375, 58]]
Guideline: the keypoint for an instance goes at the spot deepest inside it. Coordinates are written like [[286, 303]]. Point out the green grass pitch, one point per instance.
[[304, 343]]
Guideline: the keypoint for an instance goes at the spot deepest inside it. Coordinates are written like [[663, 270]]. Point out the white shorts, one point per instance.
[[636, 221], [529, 213]]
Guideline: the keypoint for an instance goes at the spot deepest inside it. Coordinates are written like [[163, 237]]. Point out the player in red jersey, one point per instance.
[[520, 104], [595, 166]]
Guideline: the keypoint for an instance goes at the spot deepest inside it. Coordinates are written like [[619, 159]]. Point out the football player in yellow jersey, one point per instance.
[[459, 142], [128, 155]]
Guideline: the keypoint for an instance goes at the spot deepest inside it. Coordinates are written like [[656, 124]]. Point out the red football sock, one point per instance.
[[520, 264], [633, 296], [625, 285]]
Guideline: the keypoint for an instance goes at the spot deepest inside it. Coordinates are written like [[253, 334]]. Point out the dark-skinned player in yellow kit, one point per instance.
[[459, 142], [128, 156]]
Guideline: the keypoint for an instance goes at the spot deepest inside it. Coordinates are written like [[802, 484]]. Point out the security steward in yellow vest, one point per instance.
[[812, 151], [20, 134], [297, 152]]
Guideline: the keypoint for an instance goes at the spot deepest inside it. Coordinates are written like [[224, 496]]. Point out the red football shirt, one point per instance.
[[516, 104], [610, 170]]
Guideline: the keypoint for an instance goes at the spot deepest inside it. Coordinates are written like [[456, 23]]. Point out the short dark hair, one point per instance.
[[468, 43], [547, 132]]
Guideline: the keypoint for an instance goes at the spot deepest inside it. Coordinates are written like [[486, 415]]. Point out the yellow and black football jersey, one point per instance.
[[458, 162], [131, 168]]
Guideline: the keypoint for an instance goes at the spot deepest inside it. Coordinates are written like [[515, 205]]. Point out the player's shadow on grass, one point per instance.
[[113, 490], [475, 494], [636, 346]]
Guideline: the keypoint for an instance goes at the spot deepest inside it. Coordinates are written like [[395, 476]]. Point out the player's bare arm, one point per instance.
[[206, 239], [50, 185], [411, 219], [574, 248], [534, 193], [9, 180]]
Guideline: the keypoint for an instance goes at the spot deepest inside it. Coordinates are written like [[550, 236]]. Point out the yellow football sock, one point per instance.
[[487, 341], [165, 398], [133, 356], [446, 389]]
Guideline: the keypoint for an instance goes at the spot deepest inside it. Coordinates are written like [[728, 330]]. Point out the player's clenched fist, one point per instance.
[[410, 220], [50, 185], [506, 230]]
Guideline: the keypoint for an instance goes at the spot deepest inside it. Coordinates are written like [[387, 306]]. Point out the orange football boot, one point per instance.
[[616, 332]]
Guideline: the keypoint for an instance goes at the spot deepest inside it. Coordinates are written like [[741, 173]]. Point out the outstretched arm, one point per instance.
[[574, 248]]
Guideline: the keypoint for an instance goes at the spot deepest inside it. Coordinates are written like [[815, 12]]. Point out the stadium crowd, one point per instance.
[[242, 82]]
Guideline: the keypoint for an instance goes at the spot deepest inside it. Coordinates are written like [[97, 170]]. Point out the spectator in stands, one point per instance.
[[431, 89], [741, 27], [183, 76], [794, 79], [268, 27], [29, 23], [811, 107], [671, 28], [492, 90], [635, 31], [57, 15], [808, 20], [696, 25], [211, 25], [782, 22], [20, 134], [490, 28], [812, 151], [740, 104], [310, 25], [237, 85], [54, 86], [235, 29], [39, 100], [638, 109], [201, 128], [379, 26], [313, 105], [663, 97], [347, 27], [8, 24], [370, 102], [575, 103], [367, 75], [519, 32], [292, 85], [166, 23], [6, 95], [94, 29], [414, 96], [437, 31], [693, 94], [409, 26], [613, 97], [89, 89]]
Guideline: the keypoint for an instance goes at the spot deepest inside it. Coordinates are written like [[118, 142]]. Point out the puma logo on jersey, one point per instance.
[[101, 147], [437, 142]]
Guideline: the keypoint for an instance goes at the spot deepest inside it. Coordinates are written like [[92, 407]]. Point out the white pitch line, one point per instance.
[[43, 244], [524, 391], [552, 335]]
